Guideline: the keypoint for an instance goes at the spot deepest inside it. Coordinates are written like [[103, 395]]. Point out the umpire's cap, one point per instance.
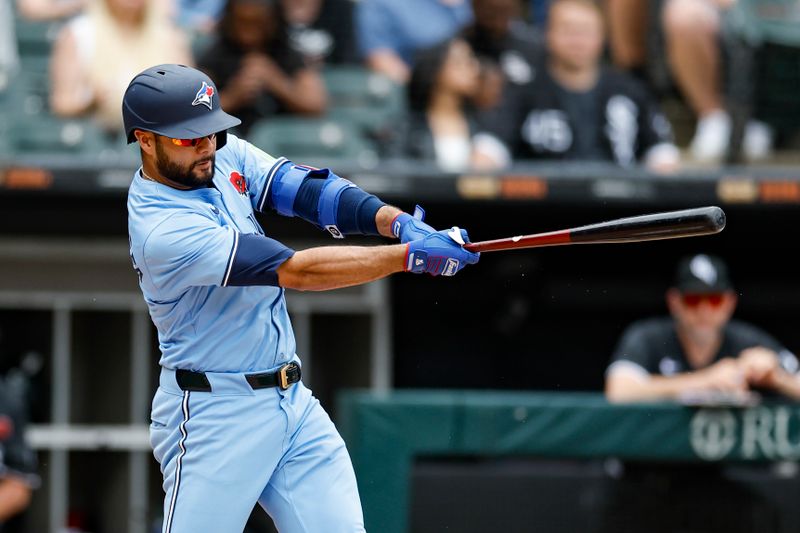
[[702, 273], [175, 101]]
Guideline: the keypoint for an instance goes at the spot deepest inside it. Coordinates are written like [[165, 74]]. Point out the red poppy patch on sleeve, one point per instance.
[[239, 182]]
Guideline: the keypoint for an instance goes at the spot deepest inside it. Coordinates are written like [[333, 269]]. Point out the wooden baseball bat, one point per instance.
[[652, 227]]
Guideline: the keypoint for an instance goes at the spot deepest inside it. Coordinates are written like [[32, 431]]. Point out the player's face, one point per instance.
[[192, 166], [575, 35], [701, 316]]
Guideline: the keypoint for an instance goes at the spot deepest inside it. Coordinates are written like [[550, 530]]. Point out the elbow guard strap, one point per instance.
[[287, 182], [328, 206]]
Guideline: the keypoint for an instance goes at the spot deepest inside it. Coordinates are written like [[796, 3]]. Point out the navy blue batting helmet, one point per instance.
[[175, 101]]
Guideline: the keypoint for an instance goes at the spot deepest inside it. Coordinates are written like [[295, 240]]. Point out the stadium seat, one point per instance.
[[312, 141], [33, 129], [48, 134], [36, 38], [762, 39], [369, 100]]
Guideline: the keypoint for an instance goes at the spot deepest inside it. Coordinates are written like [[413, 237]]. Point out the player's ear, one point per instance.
[[147, 141]]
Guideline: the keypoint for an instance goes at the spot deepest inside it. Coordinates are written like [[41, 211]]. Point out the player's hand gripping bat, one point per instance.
[[656, 226]]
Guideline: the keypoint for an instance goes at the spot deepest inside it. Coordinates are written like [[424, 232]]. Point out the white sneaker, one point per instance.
[[758, 140], [712, 136]]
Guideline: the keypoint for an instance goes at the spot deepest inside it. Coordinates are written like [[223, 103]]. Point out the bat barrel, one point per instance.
[[668, 225]]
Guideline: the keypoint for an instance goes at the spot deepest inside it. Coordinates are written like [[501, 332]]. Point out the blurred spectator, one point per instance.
[[692, 38], [97, 53], [18, 464], [50, 9], [9, 57], [321, 30], [199, 16], [440, 124], [576, 108], [509, 49], [699, 352], [256, 71], [390, 31]]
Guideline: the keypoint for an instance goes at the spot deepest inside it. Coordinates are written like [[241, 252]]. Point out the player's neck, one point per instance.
[[699, 352], [150, 173]]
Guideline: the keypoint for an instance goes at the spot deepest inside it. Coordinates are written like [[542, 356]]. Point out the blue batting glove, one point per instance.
[[409, 228], [440, 253]]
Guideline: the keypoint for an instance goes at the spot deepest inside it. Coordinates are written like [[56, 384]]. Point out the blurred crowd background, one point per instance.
[[462, 83], [589, 108]]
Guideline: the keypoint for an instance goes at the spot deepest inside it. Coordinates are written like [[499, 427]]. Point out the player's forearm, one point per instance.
[[787, 384], [14, 497], [635, 389], [384, 218], [333, 267]]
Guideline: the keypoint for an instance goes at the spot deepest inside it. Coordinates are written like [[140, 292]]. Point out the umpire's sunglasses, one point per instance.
[[192, 142]]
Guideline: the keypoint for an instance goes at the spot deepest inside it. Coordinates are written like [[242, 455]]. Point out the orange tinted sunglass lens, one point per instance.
[[184, 142], [192, 142]]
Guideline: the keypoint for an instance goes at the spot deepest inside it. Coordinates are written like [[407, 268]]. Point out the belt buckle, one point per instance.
[[283, 375]]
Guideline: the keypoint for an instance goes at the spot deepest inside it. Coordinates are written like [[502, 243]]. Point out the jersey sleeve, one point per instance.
[[258, 167], [188, 250], [632, 352], [750, 336]]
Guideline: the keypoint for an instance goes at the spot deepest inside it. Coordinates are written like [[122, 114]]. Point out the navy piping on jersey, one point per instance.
[[265, 193], [231, 259], [182, 445]]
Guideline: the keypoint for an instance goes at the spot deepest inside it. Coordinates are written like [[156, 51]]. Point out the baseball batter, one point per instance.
[[232, 422]]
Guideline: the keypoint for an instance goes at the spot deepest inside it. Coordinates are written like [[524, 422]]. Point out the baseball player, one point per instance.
[[232, 422]]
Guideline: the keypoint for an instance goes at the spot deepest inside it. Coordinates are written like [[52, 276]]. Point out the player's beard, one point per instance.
[[190, 177]]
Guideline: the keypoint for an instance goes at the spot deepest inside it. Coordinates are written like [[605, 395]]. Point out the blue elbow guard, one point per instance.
[[328, 206], [287, 182]]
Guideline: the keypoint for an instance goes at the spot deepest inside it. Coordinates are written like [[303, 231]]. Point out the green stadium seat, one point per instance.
[[31, 128], [765, 21], [36, 38], [48, 134], [312, 141], [762, 40], [367, 99]]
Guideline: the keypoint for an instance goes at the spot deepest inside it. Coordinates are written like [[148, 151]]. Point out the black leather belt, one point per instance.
[[285, 377]]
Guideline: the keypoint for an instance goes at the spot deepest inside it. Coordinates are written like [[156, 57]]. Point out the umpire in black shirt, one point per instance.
[[699, 351]]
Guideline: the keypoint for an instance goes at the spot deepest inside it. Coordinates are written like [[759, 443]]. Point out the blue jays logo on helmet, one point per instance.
[[204, 95]]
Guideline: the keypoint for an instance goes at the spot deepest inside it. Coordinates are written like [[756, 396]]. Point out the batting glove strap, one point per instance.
[[409, 228]]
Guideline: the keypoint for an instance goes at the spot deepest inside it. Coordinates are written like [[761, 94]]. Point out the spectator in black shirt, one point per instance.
[[256, 71], [321, 30], [699, 351], [576, 108], [506, 45]]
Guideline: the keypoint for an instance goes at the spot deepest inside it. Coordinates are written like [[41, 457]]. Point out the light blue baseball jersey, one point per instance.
[[196, 253]]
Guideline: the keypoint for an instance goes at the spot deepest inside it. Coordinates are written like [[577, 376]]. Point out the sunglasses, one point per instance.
[[694, 300], [192, 142]]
